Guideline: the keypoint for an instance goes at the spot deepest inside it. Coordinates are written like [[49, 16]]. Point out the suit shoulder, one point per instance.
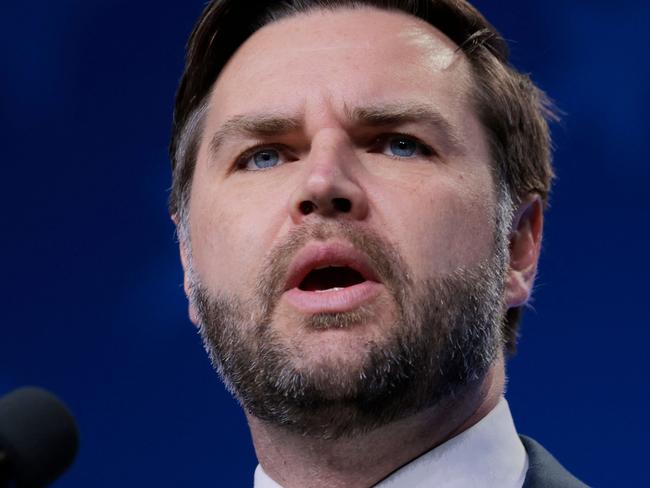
[[544, 471]]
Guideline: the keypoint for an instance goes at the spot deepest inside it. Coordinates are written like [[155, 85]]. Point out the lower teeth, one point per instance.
[[328, 290]]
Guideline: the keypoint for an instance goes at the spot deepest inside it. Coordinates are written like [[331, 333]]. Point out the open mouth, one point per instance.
[[330, 278]]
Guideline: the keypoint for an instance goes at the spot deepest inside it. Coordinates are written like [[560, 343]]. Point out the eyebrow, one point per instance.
[[395, 114], [254, 125], [267, 125]]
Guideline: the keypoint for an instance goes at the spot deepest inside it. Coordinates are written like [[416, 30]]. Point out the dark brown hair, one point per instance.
[[513, 111]]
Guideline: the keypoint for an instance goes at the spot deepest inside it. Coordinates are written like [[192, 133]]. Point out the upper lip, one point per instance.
[[318, 255]]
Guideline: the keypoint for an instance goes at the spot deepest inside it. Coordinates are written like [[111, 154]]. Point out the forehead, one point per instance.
[[342, 56]]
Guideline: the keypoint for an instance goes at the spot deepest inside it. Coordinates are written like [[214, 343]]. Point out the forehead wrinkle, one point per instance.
[[254, 125]]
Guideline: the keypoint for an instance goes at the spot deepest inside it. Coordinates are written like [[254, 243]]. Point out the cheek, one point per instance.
[[234, 228], [220, 243], [442, 227]]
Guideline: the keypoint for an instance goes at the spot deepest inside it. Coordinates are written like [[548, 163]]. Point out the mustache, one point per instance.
[[382, 255]]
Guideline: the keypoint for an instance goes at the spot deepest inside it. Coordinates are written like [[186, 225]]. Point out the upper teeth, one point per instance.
[[329, 266]]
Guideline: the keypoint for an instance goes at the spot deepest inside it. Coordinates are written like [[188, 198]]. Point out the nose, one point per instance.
[[328, 186]]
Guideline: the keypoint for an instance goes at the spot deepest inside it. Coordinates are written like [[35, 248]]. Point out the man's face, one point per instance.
[[342, 194]]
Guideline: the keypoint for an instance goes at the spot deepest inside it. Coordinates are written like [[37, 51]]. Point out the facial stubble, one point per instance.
[[445, 335]]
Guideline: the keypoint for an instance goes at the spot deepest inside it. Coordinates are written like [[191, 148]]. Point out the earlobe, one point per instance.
[[525, 247], [184, 262], [191, 310], [184, 254]]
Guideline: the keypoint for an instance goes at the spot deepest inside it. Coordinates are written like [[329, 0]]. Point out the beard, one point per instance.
[[445, 334]]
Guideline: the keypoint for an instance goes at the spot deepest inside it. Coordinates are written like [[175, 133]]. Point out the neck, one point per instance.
[[293, 460]]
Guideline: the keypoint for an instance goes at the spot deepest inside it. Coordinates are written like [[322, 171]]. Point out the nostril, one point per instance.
[[307, 207], [342, 204]]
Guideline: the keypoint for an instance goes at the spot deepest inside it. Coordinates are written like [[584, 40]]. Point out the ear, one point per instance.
[[525, 247], [184, 253]]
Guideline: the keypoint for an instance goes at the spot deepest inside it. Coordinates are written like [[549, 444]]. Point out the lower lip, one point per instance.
[[343, 300]]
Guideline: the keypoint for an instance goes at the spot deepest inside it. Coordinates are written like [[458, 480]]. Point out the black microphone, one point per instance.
[[38, 438]]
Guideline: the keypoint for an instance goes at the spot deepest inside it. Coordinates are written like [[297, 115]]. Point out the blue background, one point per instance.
[[92, 305]]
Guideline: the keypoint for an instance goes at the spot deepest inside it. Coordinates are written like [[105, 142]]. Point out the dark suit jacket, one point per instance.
[[543, 469]]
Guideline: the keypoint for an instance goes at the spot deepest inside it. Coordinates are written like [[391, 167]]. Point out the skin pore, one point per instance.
[[317, 100]]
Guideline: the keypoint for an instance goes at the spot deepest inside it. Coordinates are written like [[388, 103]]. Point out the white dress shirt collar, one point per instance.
[[488, 455]]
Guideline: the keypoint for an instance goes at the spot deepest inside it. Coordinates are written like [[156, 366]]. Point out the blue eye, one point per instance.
[[261, 159], [403, 147]]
